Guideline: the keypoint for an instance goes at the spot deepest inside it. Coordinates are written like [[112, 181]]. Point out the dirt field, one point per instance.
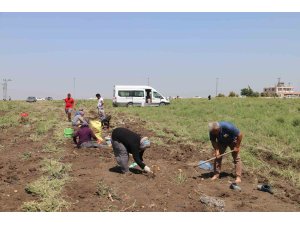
[[176, 187]]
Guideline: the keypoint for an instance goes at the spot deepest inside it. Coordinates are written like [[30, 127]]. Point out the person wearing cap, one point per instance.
[[79, 112], [222, 135], [125, 142], [86, 136], [69, 106], [78, 119]]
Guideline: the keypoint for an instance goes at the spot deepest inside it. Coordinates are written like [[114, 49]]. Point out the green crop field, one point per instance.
[[271, 129]]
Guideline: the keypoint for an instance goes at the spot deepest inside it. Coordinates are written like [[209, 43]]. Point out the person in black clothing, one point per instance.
[[124, 142], [105, 121]]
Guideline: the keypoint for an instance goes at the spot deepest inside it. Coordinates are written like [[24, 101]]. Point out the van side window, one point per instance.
[[156, 95], [138, 94], [124, 93], [131, 93]]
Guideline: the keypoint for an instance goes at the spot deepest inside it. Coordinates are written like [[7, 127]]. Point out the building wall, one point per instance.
[[281, 90]]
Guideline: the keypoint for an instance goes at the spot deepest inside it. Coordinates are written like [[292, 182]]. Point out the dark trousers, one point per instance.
[[121, 155], [90, 144]]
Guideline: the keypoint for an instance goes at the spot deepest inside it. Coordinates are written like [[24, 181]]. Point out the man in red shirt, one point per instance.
[[69, 106]]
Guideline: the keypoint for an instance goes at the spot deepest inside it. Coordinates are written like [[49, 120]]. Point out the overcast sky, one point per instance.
[[181, 53]]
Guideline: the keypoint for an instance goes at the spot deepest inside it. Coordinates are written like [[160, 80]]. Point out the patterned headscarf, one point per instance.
[[145, 143]]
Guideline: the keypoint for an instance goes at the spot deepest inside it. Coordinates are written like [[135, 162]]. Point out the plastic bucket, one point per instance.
[[68, 132], [108, 141]]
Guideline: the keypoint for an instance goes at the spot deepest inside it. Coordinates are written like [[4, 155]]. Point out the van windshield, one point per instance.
[[156, 95]]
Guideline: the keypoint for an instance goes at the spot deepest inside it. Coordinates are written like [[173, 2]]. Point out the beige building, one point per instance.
[[281, 90]]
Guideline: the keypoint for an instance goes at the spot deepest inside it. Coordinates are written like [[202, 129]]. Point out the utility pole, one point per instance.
[[148, 81], [217, 86], [5, 81]]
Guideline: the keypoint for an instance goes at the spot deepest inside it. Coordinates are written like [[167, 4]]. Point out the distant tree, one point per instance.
[[221, 95], [232, 94], [249, 92]]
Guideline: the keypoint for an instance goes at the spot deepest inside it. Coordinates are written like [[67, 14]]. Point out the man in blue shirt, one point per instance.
[[223, 135]]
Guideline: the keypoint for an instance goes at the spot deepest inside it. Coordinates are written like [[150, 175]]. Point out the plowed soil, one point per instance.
[[167, 191]]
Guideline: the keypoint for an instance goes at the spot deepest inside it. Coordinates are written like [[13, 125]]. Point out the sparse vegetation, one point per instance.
[[46, 187], [180, 177], [105, 191], [296, 122], [111, 208], [233, 94], [55, 168], [51, 148], [26, 155], [34, 137], [44, 126], [9, 120], [46, 205], [280, 120]]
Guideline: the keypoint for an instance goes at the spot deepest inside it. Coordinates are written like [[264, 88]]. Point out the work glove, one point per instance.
[[147, 169]]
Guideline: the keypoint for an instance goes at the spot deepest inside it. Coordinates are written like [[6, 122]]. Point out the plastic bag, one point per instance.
[[96, 127], [205, 165]]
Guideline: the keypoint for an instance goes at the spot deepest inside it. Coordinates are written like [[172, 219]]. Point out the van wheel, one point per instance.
[[130, 104], [162, 104]]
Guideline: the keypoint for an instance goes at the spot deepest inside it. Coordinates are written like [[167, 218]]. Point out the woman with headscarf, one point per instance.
[[125, 142]]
